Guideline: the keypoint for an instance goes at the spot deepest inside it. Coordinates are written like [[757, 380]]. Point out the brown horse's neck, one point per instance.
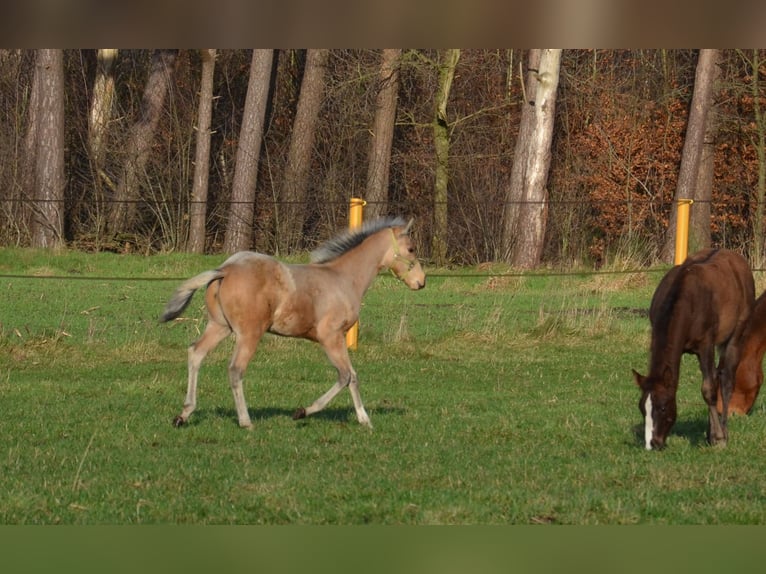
[[667, 347]]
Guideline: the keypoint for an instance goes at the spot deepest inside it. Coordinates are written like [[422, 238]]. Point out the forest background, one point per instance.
[[218, 150]]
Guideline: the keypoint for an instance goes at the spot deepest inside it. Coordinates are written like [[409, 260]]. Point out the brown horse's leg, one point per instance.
[[710, 384], [214, 334], [727, 369], [338, 354]]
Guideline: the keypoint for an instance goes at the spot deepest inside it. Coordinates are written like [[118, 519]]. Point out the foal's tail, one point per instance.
[[184, 293]]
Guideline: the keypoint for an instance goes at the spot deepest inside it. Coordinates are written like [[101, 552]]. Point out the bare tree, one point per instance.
[[691, 159], [123, 210], [239, 229], [524, 228], [442, 143], [291, 212], [198, 205], [47, 226], [382, 134]]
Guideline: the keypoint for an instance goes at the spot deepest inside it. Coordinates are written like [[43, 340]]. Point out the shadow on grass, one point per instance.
[[332, 414], [694, 430]]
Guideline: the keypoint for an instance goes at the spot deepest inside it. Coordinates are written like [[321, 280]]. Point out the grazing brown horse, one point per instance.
[[749, 376], [252, 293], [700, 305]]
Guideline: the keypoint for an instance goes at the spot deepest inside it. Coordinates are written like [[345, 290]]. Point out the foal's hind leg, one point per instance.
[[243, 352], [338, 354], [214, 334]]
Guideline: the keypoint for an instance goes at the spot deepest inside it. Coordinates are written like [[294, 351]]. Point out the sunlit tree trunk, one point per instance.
[[98, 124], [239, 228], [441, 143], [291, 212], [124, 208], [528, 206], [694, 143], [101, 105], [47, 227], [382, 134], [198, 205]]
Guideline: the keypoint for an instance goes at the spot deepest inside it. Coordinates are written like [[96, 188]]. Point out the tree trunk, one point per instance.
[[699, 225], [28, 186], [531, 162], [688, 175], [101, 106], [198, 205], [383, 134], [291, 212], [514, 195], [759, 249], [441, 144], [239, 229], [48, 212], [123, 211]]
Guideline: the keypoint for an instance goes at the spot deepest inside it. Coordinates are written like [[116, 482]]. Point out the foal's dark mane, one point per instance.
[[344, 242]]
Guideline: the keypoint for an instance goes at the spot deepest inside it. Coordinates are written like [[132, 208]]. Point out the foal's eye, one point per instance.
[[411, 250]]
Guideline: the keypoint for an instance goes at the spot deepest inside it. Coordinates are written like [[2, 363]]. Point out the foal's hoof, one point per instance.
[[299, 414], [178, 421]]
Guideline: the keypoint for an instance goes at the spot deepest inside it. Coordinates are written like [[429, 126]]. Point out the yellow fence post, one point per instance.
[[354, 222], [682, 229]]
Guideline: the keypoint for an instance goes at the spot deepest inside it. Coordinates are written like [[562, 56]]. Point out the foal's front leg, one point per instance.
[[337, 352]]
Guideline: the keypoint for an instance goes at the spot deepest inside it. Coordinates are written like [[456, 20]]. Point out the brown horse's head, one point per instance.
[[658, 407], [401, 258]]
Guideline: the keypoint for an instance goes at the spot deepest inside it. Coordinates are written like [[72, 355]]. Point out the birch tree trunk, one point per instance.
[[198, 205], [291, 211], [441, 144], [532, 158], [383, 134], [124, 208], [48, 212], [687, 185], [239, 228]]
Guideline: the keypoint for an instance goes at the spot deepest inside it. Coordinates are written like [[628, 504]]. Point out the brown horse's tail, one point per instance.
[[184, 293]]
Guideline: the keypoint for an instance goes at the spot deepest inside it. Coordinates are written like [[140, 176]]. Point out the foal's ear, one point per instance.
[[409, 225], [638, 378]]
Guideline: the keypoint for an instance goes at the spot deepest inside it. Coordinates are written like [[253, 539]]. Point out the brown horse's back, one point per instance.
[[715, 280]]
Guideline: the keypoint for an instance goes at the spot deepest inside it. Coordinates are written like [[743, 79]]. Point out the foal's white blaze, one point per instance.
[[648, 422]]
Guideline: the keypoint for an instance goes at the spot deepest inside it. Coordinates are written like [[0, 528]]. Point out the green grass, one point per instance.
[[494, 400]]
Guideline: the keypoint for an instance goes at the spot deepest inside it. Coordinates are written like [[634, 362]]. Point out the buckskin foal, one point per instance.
[[252, 293]]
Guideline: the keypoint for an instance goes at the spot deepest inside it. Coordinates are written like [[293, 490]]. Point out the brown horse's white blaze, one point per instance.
[[700, 306], [252, 293], [648, 422]]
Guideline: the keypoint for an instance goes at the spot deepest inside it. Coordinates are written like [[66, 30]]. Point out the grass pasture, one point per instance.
[[495, 400]]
